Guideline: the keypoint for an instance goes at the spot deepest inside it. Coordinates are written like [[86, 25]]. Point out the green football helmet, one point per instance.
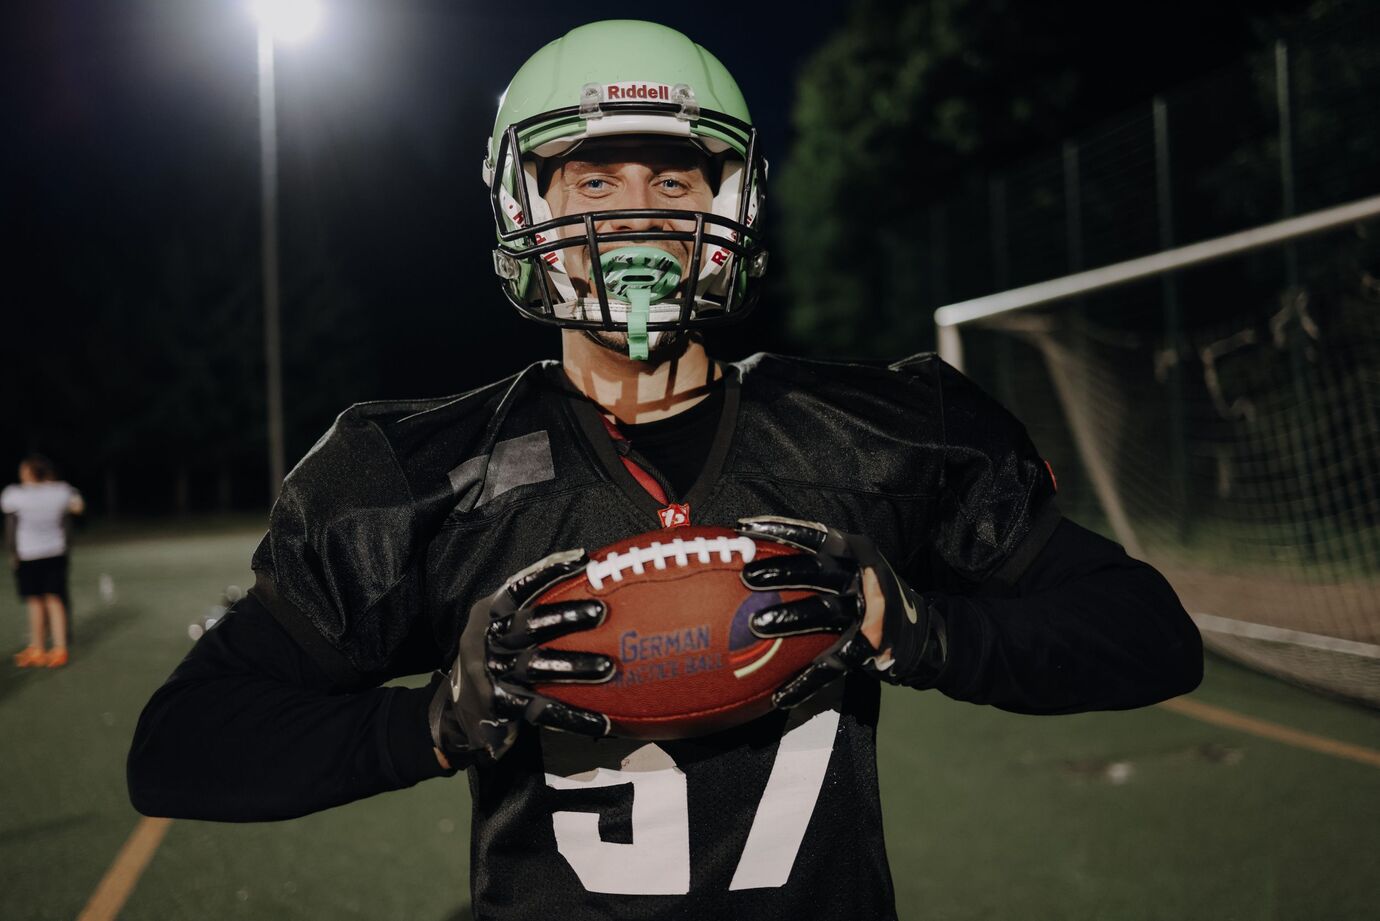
[[607, 79]]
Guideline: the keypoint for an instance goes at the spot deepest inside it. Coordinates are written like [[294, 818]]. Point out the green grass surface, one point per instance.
[[1140, 815]]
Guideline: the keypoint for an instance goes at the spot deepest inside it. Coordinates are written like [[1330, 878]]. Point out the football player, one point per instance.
[[626, 184]]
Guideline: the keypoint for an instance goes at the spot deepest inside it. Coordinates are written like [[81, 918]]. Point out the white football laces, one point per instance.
[[660, 555]]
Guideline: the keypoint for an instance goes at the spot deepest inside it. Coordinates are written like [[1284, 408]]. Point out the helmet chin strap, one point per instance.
[[639, 275]]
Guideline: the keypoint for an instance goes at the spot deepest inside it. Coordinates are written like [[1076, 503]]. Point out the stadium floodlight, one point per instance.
[[287, 20], [279, 21]]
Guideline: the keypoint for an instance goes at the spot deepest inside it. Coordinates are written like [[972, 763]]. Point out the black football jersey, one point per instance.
[[405, 514]]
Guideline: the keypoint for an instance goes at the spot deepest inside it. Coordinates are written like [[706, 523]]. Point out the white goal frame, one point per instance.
[[949, 318]]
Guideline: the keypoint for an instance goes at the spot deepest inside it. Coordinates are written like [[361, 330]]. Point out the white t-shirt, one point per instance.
[[39, 509]]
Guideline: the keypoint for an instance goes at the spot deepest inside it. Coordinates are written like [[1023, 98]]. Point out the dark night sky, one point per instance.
[[138, 132], [133, 163]]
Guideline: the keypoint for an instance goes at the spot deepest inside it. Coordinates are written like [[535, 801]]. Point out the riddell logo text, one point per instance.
[[622, 92]]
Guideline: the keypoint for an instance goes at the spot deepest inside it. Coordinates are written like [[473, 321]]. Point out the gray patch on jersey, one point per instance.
[[467, 481], [516, 462]]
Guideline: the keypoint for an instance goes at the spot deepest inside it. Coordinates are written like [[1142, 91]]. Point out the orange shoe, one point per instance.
[[56, 659], [31, 657]]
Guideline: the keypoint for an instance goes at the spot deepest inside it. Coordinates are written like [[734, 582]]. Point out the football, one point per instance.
[[676, 626]]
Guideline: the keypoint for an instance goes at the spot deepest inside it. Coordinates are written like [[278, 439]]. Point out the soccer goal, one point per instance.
[[1216, 409]]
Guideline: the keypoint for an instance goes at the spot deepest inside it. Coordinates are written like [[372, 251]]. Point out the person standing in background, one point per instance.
[[40, 504]]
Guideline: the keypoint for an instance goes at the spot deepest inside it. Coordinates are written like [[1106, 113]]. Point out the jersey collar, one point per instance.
[[588, 419]]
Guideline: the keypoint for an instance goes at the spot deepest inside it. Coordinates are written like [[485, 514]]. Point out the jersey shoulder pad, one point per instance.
[[997, 503], [347, 536]]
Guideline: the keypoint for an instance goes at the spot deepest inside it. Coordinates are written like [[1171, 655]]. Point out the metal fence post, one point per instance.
[[1298, 361], [1073, 207], [1001, 280], [1173, 324]]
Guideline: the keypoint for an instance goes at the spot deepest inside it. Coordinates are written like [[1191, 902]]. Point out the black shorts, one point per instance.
[[47, 576]]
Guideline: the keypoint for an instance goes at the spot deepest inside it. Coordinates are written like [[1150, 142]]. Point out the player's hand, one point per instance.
[[884, 625], [481, 703]]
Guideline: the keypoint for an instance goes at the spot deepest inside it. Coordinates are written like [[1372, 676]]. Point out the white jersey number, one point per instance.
[[657, 862]]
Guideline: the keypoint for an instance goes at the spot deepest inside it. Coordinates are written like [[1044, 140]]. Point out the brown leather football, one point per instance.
[[676, 627]]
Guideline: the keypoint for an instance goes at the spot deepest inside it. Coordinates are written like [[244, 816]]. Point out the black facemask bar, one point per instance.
[[745, 245]]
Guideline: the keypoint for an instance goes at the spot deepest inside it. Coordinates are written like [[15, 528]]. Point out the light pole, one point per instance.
[[279, 21]]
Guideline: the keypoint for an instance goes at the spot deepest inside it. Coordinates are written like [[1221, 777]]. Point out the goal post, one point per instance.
[[949, 318], [1216, 408]]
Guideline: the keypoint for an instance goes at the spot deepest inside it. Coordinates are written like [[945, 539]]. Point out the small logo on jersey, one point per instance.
[[747, 651], [675, 515], [623, 92]]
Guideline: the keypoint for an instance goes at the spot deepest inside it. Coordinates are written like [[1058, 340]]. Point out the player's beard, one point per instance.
[[663, 346]]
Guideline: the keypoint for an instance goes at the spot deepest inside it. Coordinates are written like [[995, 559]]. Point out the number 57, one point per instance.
[[657, 862]]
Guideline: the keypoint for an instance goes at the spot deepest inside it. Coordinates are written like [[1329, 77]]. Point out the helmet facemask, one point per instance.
[[629, 286]]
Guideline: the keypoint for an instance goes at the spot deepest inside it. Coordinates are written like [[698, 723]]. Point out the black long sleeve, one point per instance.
[[1086, 627], [249, 728]]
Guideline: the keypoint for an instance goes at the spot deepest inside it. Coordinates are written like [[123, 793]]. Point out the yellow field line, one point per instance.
[[119, 881], [1220, 716]]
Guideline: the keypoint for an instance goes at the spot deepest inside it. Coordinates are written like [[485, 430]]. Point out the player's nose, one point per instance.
[[624, 223], [635, 197]]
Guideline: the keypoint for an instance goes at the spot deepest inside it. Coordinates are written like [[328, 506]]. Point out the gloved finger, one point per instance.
[[818, 613], [801, 570], [856, 651], [509, 701], [531, 626], [799, 688], [553, 714], [535, 579], [540, 665], [805, 535], [490, 729], [495, 737]]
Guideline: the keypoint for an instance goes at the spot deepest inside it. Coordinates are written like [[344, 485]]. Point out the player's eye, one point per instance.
[[669, 184], [594, 185]]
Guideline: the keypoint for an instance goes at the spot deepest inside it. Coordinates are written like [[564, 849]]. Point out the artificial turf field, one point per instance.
[[1140, 815]]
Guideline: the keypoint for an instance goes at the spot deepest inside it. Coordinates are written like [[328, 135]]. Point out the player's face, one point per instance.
[[624, 174]]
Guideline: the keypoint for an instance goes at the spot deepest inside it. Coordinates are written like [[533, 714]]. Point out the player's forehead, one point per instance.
[[649, 151]]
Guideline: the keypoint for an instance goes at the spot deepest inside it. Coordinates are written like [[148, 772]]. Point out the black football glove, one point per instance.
[[913, 632], [487, 694]]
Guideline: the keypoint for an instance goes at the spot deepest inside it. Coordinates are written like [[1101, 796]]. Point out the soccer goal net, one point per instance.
[[1216, 409]]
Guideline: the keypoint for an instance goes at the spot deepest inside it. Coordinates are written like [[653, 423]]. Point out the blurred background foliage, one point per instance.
[[910, 111]]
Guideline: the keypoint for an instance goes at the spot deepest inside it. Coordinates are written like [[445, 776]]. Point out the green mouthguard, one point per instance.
[[639, 275]]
